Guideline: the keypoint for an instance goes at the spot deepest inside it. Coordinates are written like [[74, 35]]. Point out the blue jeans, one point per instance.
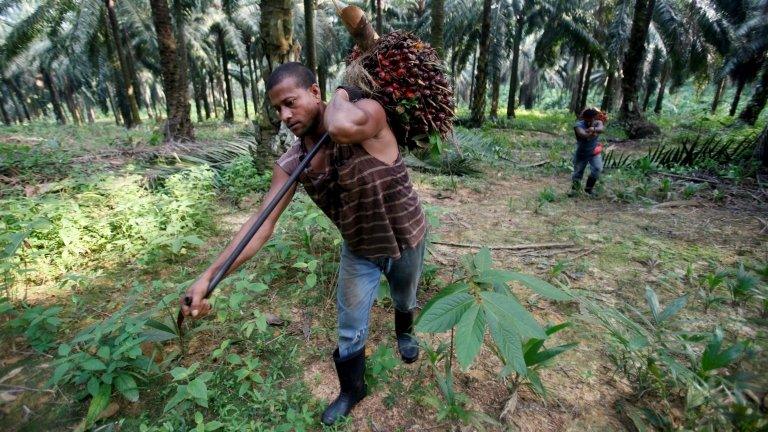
[[359, 283], [579, 164]]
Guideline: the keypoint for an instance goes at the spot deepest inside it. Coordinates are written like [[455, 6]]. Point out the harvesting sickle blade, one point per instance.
[[255, 227]]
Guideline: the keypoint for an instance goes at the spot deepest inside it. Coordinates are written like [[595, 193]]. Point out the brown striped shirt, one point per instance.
[[372, 203]]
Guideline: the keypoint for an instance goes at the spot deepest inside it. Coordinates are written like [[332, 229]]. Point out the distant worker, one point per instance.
[[591, 123]]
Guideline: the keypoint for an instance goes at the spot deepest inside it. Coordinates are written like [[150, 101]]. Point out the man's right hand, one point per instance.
[[200, 306]]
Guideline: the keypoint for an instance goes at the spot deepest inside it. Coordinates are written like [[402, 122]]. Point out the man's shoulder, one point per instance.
[[290, 158], [580, 123]]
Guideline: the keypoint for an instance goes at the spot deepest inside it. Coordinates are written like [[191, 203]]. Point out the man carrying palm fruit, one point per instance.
[[360, 182]]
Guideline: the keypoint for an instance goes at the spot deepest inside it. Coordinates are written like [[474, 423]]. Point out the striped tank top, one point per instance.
[[373, 204]]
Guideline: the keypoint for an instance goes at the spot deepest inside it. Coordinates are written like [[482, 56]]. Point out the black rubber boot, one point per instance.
[[590, 185], [406, 343], [575, 188], [351, 372]]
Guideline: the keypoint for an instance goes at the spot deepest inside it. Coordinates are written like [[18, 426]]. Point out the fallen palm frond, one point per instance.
[[690, 151]]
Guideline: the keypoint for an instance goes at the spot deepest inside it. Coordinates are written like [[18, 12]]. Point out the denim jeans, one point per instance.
[[359, 283], [579, 164]]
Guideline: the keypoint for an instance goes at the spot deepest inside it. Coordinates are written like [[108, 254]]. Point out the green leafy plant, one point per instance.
[[190, 387], [482, 299], [665, 363], [38, 324], [379, 366], [708, 287], [105, 358], [452, 405], [743, 285], [242, 177]]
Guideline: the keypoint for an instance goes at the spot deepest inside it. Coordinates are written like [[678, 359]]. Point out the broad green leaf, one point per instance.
[[180, 373], [213, 425], [469, 335], [103, 352], [507, 340], [673, 308], [541, 287], [713, 358], [443, 314], [64, 349], [504, 305], [653, 303], [60, 371], [93, 386], [93, 364], [126, 385], [483, 260], [98, 403], [257, 287], [198, 390], [541, 357], [550, 330], [536, 384], [311, 280], [181, 394]]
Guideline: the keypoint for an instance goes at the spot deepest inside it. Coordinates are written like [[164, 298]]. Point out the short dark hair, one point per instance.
[[300, 73], [589, 113]]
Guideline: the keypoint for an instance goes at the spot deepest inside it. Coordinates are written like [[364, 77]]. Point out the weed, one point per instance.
[[38, 324]]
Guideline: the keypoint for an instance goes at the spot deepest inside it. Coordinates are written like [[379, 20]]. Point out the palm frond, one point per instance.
[[38, 22]]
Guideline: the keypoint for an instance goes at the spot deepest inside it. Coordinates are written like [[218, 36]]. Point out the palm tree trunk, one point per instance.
[[322, 81], [278, 45], [438, 27], [653, 75], [495, 87], [130, 95], [585, 86], [379, 18], [229, 111], [48, 80], [70, 102], [736, 97], [115, 110], [633, 60], [213, 94], [472, 75], [198, 96], [309, 33], [576, 92], [90, 111], [178, 125], [609, 92], [719, 87], [3, 112], [182, 54], [131, 63], [204, 93], [17, 111], [481, 80], [120, 90], [513, 69], [155, 96], [243, 82], [19, 95], [662, 87], [761, 146], [254, 81], [757, 101]]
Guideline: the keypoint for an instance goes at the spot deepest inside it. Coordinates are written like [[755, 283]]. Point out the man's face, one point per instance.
[[299, 108]]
